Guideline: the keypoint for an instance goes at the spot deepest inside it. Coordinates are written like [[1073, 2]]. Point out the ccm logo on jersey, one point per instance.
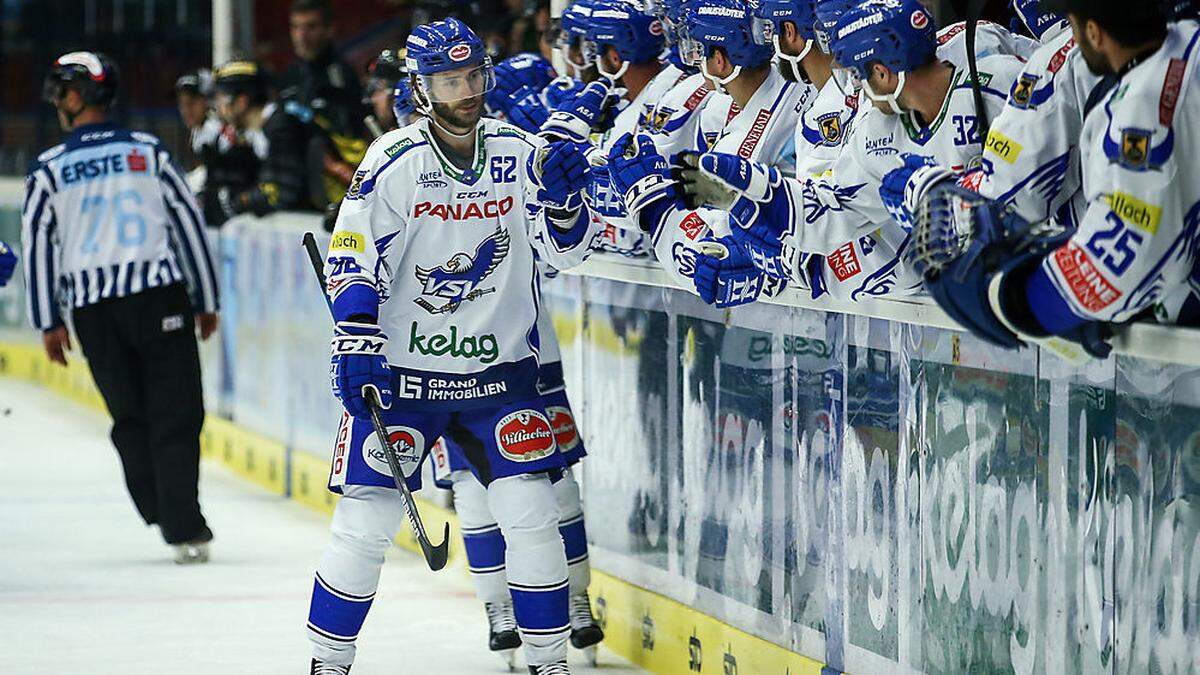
[[492, 208], [347, 241], [1089, 286], [1135, 211], [563, 425], [1002, 146], [524, 436]]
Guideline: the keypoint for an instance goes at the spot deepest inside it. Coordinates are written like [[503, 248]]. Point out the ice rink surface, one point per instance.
[[85, 587]]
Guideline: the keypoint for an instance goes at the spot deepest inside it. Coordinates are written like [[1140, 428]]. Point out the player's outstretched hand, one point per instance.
[[358, 364], [725, 276], [57, 342], [574, 121], [749, 191], [640, 174], [903, 188], [8, 263], [562, 172]]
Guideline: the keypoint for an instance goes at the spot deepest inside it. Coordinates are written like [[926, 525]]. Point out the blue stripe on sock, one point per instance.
[[574, 539], [541, 610], [485, 550], [336, 615]]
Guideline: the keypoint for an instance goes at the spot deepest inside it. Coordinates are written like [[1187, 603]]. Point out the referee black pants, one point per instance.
[[143, 355]]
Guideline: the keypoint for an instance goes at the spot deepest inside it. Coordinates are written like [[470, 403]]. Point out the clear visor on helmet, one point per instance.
[[848, 80], [52, 88], [761, 31], [691, 50], [456, 85], [824, 41]]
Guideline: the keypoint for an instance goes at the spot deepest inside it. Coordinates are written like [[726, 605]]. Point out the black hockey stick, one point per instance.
[[435, 556], [974, 14]]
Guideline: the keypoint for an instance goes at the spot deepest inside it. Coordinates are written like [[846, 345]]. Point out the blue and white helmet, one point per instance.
[[730, 25], [635, 34], [1036, 19], [828, 13], [800, 13], [402, 101], [572, 31], [900, 35], [448, 62]]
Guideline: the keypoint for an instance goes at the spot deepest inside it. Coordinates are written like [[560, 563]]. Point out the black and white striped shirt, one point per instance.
[[107, 214]]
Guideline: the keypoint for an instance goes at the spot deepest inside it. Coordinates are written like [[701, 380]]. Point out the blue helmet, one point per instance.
[[898, 34], [1037, 20], [444, 46], [730, 25], [572, 31], [828, 13], [636, 35], [801, 14]]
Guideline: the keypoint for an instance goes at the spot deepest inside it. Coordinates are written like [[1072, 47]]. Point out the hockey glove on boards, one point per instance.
[[977, 258], [8, 263], [358, 364], [725, 276], [561, 173], [643, 179]]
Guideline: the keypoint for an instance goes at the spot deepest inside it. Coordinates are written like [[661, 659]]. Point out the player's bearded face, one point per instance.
[[1096, 62], [461, 114]]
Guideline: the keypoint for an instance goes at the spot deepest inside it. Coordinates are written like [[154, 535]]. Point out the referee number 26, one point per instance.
[[124, 210]]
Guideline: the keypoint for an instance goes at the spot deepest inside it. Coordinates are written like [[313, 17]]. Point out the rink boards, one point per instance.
[[878, 494]]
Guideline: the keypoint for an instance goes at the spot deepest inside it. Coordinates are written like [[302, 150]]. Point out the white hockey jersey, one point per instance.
[[761, 132], [1139, 239], [451, 254], [673, 123], [1031, 158]]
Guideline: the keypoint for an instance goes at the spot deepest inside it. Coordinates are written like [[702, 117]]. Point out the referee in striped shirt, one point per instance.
[[112, 235]]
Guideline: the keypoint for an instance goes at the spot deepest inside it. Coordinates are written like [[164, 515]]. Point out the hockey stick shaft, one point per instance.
[[435, 555]]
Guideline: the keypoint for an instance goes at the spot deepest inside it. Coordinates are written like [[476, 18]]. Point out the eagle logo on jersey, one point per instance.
[[1137, 151], [458, 280]]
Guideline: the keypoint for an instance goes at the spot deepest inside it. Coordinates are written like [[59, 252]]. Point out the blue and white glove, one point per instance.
[[903, 187], [976, 259], [575, 120], [761, 212], [8, 263], [562, 91], [561, 173], [643, 179], [358, 365], [526, 110], [725, 275]]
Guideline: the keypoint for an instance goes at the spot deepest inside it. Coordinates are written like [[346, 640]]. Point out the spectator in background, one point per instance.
[[192, 96], [384, 72], [318, 78], [264, 160]]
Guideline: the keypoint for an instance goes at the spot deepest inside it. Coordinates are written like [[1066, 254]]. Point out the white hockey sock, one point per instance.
[[574, 534], [526, 509], [482, 540]]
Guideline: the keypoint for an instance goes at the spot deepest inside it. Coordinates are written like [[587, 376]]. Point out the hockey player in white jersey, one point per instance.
[[676, 116], [918, 104], [727, 39], [435, 246], [1138, 241]]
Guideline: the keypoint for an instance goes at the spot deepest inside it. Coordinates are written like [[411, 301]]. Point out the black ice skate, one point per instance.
[[585, 632], [322, 668], [559, 668], [503, 637]]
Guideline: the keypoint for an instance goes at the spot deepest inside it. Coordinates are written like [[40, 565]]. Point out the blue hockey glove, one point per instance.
[[725, 276], [561, 172], [761, 212], [358, 364], [643, 178], [901, 186], [575, 120], [8, 263], [562, 91], [976, 258], [526, 110]]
